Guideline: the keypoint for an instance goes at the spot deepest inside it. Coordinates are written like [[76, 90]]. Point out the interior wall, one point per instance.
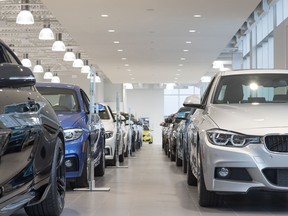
[[280, 45], [147, 103]]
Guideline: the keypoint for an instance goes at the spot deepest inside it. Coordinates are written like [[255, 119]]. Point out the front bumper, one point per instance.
[[110, 147], [74, 158], [250, 167]]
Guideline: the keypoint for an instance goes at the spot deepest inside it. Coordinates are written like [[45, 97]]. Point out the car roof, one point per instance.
[[58, 85], [258, 71]]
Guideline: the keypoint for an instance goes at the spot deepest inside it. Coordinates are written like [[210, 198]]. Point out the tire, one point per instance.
[[82, 181], [100, 169], [191, 179], [172, 157], [54, 202], [177, 159], [121, 158], [184, 162], [206, 198]]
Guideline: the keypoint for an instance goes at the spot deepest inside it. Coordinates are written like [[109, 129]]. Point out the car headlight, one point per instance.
[[72, 134], [227, 138], [108, 134]]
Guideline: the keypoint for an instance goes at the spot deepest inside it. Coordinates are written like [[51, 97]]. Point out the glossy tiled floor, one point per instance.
[[152, 185]]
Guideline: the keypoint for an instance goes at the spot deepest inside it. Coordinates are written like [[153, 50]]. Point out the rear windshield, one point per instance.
[[63, 100]]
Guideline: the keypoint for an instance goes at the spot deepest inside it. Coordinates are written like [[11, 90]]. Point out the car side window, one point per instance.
[[86, 100]]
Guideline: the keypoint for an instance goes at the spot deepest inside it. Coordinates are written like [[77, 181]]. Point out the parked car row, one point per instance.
[[48, 135], [235, 136]]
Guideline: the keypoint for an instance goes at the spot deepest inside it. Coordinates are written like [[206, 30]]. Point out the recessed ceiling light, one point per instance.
[[188, 42], [130, 74], [120, 50], [111, 30], [185, 50], [128, 70], [177, 74], [183, 59], [116, 42], [180, 65], [192, 30], [124, 58], [178, 70], [126, 65], [132, 78], [176, 78], [104, 15], [197, 16]]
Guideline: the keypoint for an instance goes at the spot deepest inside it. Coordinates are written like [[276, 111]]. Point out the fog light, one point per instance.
[[68, 163], [223, 172]]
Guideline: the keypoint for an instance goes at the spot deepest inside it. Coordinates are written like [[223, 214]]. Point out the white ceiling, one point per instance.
[[151, 33]]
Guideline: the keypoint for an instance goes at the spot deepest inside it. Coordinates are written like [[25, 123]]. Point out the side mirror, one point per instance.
[[193, 101], [14, 75]]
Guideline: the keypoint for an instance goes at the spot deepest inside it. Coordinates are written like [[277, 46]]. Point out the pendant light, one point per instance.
[[97, 77], [86, 67], [78, 63], [55, 78], [48, 74], [38, 67], [69, 55], [58, 45], [26, 61], [25, 17], [46, 33]]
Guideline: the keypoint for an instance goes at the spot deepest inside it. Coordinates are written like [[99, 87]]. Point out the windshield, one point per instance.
[[63, 100], [252, 88], [103, 113]]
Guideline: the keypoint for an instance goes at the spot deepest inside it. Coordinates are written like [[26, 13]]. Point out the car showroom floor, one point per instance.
[[153, 185]]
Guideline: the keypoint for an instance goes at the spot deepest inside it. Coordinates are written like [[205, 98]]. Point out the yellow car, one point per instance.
[[147, 136]]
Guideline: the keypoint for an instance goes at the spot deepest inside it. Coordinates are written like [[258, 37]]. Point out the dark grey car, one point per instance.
[[32, 172]]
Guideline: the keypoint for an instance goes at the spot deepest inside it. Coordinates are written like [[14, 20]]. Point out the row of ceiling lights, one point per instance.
[[182, 59], [25, 17]]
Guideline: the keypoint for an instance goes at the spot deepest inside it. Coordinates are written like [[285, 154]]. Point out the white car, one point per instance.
[[113, 137], [238, 135]]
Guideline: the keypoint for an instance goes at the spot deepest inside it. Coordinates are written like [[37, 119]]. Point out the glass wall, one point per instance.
[[257, 43], [174, 98]]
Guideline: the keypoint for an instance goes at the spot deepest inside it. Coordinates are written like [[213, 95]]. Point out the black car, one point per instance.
[[31, 144]]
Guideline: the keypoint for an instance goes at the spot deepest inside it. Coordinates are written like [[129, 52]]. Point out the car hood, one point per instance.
[[68, 119], [108, 124], [249, 118]]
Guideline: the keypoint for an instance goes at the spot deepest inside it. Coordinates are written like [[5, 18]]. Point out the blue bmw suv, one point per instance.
[[71, 105]]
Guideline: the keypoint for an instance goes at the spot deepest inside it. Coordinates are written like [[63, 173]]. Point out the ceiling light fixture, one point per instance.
[[128, 85], [26, 61], [97, 77], [170, 86], [86, 67], [48, 74], [25, 17], [38, 67], [58, 45], [78, 62], [192, 31], [46, 33], [69, 55], [55, 78]]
